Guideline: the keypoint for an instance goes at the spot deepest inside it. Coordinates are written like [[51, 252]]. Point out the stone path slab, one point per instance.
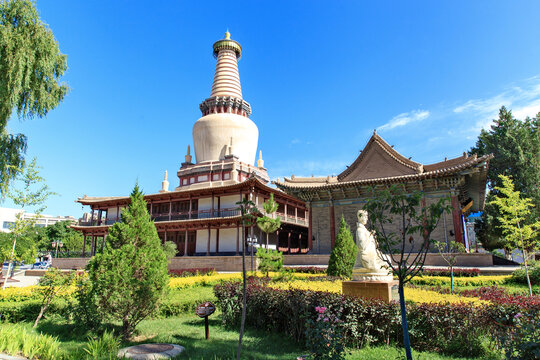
[[151, 351], [10, 357]]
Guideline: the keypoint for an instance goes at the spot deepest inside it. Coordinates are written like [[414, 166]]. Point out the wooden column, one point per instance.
[[92, 246], [208, 243], [84, 245], [286, 212], [289, 242], [190, 207], [300, 243], [185, 243], [151, 210], [100, 213], [310, 227], [103, 243], [277, 239], [237, 239], [165, 237], [332, 225], [212, 205], [296, 215], [456, 217], [170, 210], [117, 213], [92, 218], [217, 241]]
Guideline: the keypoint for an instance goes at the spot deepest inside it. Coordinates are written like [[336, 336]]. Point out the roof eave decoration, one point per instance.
[[377, 140], [458, 169]]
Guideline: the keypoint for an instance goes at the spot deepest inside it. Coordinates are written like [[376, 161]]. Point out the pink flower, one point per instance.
[[325, 319], [320, 309], [518, 315]]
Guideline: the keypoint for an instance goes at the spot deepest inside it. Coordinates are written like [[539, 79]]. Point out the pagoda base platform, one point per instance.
[[383, 290]]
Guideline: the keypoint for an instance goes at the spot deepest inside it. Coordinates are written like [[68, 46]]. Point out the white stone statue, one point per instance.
[[368, 266]]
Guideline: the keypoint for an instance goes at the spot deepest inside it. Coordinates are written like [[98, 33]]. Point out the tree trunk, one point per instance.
[[527, 271], [243, 320], [126, 328], [41, 312], [406, 341], [452, 279]]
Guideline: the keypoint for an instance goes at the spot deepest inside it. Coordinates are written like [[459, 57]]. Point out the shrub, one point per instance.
[[446, 272], [269, 260], [519, 276], [522, 340], [498, 295], [192, 272], [324, 336], [460, 281], [443, 327], [343, 254], [28, 310], [306, 269]]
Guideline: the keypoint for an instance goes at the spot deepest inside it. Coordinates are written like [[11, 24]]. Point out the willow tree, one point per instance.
[[30, 67]]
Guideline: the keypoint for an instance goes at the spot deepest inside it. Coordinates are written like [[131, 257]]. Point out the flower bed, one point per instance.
[[192, 272], [444, 327], [411, 293], [446, 272], [306, 269], [461, 281]]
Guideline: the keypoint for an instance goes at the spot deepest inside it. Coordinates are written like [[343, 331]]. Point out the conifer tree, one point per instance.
[[130, 277], [344, 252]]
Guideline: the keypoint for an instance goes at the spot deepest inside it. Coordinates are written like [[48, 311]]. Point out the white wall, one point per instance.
[[206, 204], [227, 240], [202, 241], [227, 202]]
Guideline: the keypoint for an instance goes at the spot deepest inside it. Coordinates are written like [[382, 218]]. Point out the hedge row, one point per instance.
[[448, 328]]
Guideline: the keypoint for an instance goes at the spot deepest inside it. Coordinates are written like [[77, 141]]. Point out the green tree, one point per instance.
[[515, 145], [61, 232], [390, 208], [449, 252], [249, 213], [267, 223], [129, 278], [33, 193], [269, 260], [30, 67], [51, 284], [515, 210], [343, 254]]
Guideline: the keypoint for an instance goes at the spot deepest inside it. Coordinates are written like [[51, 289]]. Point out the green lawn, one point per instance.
[[188, 331]]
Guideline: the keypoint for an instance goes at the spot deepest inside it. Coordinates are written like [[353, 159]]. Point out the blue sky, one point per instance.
[[320, 76]]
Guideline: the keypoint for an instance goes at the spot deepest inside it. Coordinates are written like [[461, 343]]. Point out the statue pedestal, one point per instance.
[[383, 290]]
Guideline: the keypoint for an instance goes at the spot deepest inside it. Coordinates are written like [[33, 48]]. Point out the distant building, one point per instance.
[[8, 217], [200, 215]]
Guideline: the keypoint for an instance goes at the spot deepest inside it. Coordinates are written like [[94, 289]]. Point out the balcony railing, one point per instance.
[[203, 214]]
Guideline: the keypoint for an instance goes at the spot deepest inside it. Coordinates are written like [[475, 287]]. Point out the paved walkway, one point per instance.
[[9, 357], [23, 281]]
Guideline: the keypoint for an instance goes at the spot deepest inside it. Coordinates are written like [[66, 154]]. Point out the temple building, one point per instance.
[[462, 179], [200, 214]]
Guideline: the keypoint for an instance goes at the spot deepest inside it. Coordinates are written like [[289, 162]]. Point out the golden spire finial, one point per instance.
[[227, 35]]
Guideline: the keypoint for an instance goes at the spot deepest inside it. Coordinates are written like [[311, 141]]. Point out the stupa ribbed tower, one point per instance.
[[225, 128]]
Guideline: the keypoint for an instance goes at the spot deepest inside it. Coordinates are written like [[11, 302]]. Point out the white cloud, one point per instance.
[[405, 118], [523, 100]]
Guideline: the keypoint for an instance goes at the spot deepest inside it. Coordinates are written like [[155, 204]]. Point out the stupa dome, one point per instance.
[[225, 127]]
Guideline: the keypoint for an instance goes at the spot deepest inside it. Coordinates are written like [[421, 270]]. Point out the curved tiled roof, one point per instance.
[[438, 171]]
